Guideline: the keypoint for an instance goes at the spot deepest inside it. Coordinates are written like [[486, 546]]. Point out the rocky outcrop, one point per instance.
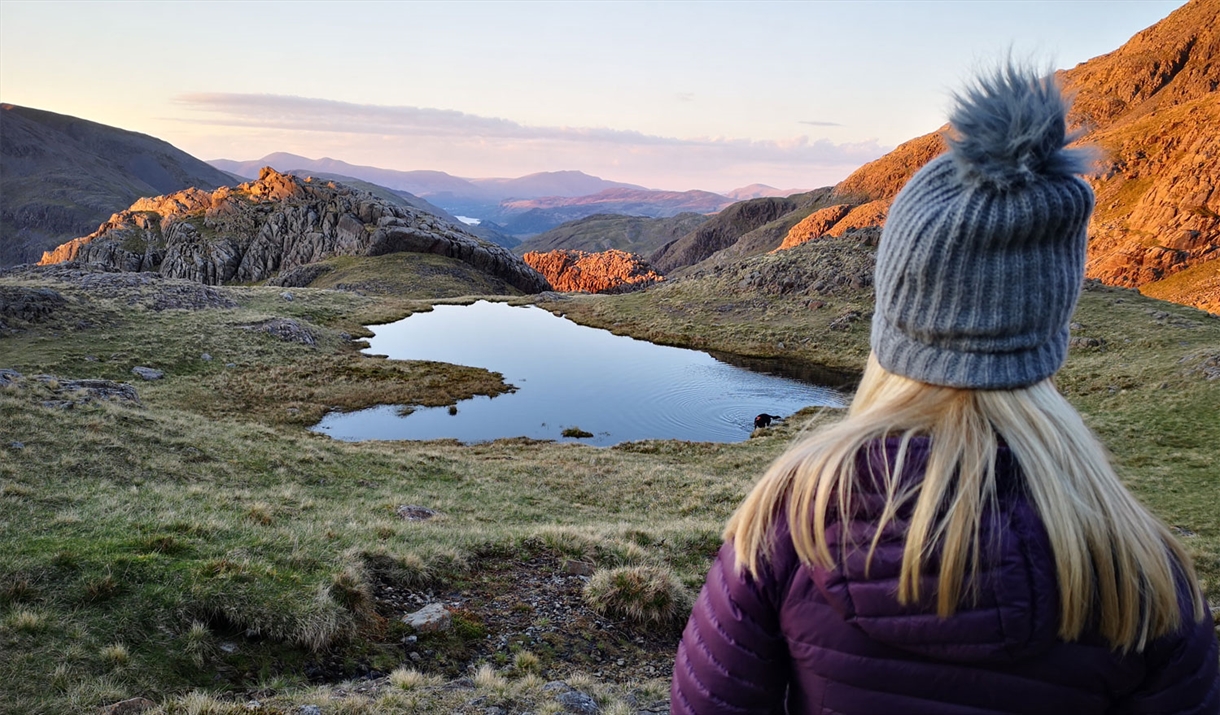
[[815, 225], [280, 222], [610, 271]]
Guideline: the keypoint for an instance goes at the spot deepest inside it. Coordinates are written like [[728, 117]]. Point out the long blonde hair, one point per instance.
[[1117, 565]]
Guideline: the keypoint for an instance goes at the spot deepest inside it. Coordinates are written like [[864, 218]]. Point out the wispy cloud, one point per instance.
[[460, 133], [325, 115], [814, 123]]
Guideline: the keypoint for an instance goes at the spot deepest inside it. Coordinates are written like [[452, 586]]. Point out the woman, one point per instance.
[[959, 543]]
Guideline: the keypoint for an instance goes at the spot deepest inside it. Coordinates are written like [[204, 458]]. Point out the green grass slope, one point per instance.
[[201, 548]]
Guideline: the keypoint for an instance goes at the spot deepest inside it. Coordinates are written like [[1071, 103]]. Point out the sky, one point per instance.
[[669, 95]]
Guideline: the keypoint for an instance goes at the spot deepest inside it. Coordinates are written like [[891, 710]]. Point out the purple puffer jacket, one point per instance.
[[802, 639]]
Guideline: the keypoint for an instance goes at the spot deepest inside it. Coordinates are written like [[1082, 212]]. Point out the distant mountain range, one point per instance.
[[522, 207], [61, 176]]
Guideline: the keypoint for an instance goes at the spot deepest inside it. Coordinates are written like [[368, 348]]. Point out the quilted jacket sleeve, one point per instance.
[[733, 657], [1183, 673]]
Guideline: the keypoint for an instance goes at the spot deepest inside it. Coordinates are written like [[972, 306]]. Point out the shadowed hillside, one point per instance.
[[602, 232], [61, 176]]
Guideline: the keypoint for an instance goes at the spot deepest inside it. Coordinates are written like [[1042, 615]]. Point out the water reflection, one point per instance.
[[568, 375]]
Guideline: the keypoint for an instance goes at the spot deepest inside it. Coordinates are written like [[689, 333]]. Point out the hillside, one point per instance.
[[61, 176], [523, 217], [1153, 108], [724, 230], [278, 224], [602, 232]]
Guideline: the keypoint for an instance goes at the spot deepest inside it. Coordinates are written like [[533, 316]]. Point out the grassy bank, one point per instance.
[[197, 546]]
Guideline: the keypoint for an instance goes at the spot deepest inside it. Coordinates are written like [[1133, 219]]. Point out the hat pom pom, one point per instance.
[[1010, 128]]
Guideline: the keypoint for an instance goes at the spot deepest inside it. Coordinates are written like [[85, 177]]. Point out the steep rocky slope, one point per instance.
[[280, 222], [611, 271], [730, 226], [602, 232], [1153, 108], [61, 176]]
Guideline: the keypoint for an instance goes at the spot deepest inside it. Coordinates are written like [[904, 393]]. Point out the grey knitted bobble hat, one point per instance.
[[982, 255]]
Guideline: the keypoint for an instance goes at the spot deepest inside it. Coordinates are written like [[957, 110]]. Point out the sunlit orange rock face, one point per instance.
[[610, 271], [1153, 108]]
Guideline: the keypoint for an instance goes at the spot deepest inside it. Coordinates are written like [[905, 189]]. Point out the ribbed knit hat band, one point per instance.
[[982, 255]]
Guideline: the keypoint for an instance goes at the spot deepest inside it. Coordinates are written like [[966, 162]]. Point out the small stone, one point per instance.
[[620, 662], [286, 296], [309, 710], [415, 656], [147, 373], [130, 706], [254, 705], [230, 364], [430, 618], [578, 568], [90, 358], [16, 445], [411, 639], [412, 512], [228, 647], [575, 701], [205, 357], [555, 685]]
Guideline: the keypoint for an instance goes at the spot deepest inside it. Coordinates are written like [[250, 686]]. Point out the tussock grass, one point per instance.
[[206, 515], [645, 594]]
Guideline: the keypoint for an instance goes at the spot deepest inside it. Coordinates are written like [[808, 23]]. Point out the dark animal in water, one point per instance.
[[764, 420]]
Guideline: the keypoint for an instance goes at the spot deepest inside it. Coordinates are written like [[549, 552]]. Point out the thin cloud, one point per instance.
[[685, 96], [279, 112], [813, 123]]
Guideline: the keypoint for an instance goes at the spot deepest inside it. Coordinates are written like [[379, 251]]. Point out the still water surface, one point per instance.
[[569, 375]]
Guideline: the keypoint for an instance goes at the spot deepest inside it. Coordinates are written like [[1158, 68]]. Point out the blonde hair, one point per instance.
[[1117, 565]]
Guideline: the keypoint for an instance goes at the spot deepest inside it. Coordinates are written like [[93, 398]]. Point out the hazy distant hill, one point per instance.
[[550, 183], [60, 177], [602, 232], [478, 198], [759, 191], [1153, 107]]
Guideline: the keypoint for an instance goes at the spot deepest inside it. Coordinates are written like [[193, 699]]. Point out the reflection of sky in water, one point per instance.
[[568, 375]]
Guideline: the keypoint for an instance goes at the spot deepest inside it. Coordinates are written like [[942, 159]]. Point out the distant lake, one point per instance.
[[569, 375]]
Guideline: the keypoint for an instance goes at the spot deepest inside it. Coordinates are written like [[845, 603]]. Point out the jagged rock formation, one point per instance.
[[61, 176], [611, 271], [1153, 108], [254, 231]]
